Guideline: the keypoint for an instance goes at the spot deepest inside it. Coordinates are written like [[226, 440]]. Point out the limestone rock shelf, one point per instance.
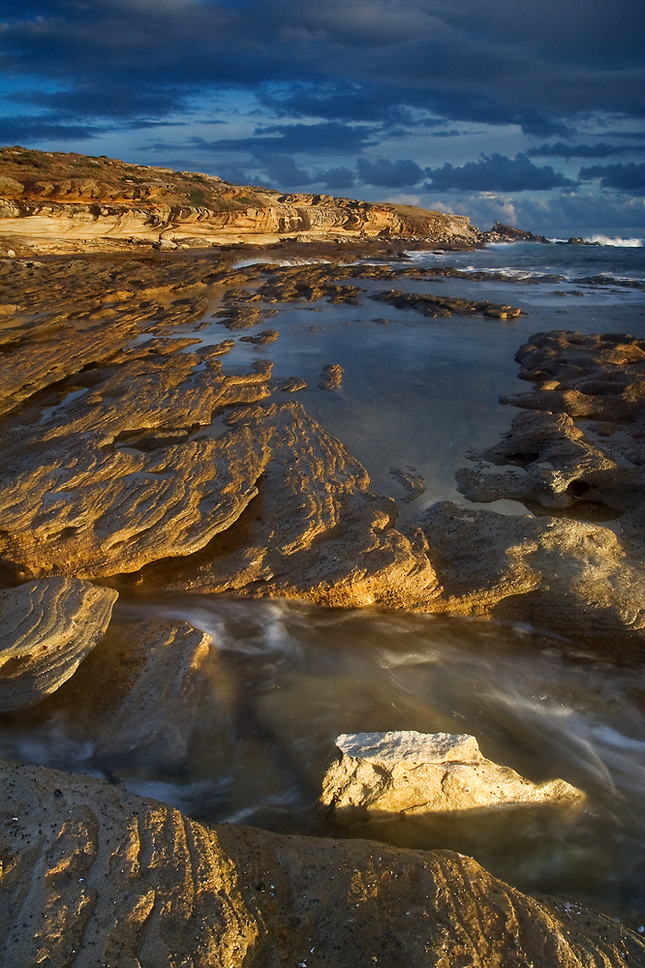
[[56, 202]]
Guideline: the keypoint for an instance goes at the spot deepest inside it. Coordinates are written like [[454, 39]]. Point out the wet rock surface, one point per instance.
[[46, 629], [106, 876]]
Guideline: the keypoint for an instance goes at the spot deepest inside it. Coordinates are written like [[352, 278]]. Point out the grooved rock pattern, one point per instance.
[[107, 878], [46, 629]]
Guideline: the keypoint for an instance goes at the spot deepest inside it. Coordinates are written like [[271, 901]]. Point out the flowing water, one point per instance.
[[283, 679]]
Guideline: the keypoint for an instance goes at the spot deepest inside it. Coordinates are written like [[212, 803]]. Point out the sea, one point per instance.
[[284, 679]]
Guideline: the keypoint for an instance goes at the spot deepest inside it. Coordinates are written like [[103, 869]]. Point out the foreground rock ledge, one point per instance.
[[90, 875], [414, 774]]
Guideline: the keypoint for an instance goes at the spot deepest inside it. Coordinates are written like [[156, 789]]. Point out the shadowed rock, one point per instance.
[[136, 699], [93, 875], [46, 629], [572, 578], [601, 377], [413, 774], [431, 305]]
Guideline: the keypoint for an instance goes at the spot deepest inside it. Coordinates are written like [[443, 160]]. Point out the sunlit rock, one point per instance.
[[110, 479], [597, 470], [46, 629], [96, 204], [410, 773], [315, 531], [94, 875], [27, 366], [601, 377]]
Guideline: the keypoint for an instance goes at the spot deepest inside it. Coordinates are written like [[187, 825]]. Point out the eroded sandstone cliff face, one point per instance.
[[50, 201]]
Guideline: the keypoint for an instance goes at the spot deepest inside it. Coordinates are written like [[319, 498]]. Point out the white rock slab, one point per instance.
[[379, 774]]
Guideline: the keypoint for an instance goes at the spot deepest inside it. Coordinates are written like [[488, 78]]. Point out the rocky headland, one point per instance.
[[55, 202], [134, 460]]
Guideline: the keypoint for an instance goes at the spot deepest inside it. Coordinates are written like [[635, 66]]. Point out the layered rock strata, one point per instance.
[[110, 480], [46, 629], [315, 531], [102, 876], [414, 774], [55, 202]]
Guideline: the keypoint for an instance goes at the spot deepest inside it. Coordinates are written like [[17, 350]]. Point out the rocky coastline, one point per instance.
[[135, 460]]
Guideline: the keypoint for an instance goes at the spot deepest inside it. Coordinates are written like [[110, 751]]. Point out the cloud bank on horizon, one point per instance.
[[529, 113]]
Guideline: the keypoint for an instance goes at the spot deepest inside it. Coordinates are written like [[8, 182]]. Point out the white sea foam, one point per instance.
[[623, 243]]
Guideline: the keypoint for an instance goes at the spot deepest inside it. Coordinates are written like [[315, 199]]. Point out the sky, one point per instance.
[[526, 111]]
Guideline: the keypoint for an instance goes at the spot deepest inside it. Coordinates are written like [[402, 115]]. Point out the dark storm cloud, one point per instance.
[[496, 173], [326, 137], [625, 178], [560, 150], [336, 179], [281, 170], [388, 174], [108, 100], [22, 130], [488, 61]]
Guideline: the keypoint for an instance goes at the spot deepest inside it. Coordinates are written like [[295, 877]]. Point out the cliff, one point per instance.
[[57, 202]]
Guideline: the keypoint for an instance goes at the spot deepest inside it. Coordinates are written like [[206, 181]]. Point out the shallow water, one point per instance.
[[282, 680]]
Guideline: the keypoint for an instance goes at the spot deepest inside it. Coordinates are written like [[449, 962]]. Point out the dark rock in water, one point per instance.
[[46, 629], [267, 336], [508, 233], [104, 877], [431, 305], [411, 482], [292, 385], [331, 376]]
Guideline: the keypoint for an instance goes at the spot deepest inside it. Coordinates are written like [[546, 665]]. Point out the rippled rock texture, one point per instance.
[[104, 877], [560, 570], [110, 480], [315, 531], [46, 629]]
